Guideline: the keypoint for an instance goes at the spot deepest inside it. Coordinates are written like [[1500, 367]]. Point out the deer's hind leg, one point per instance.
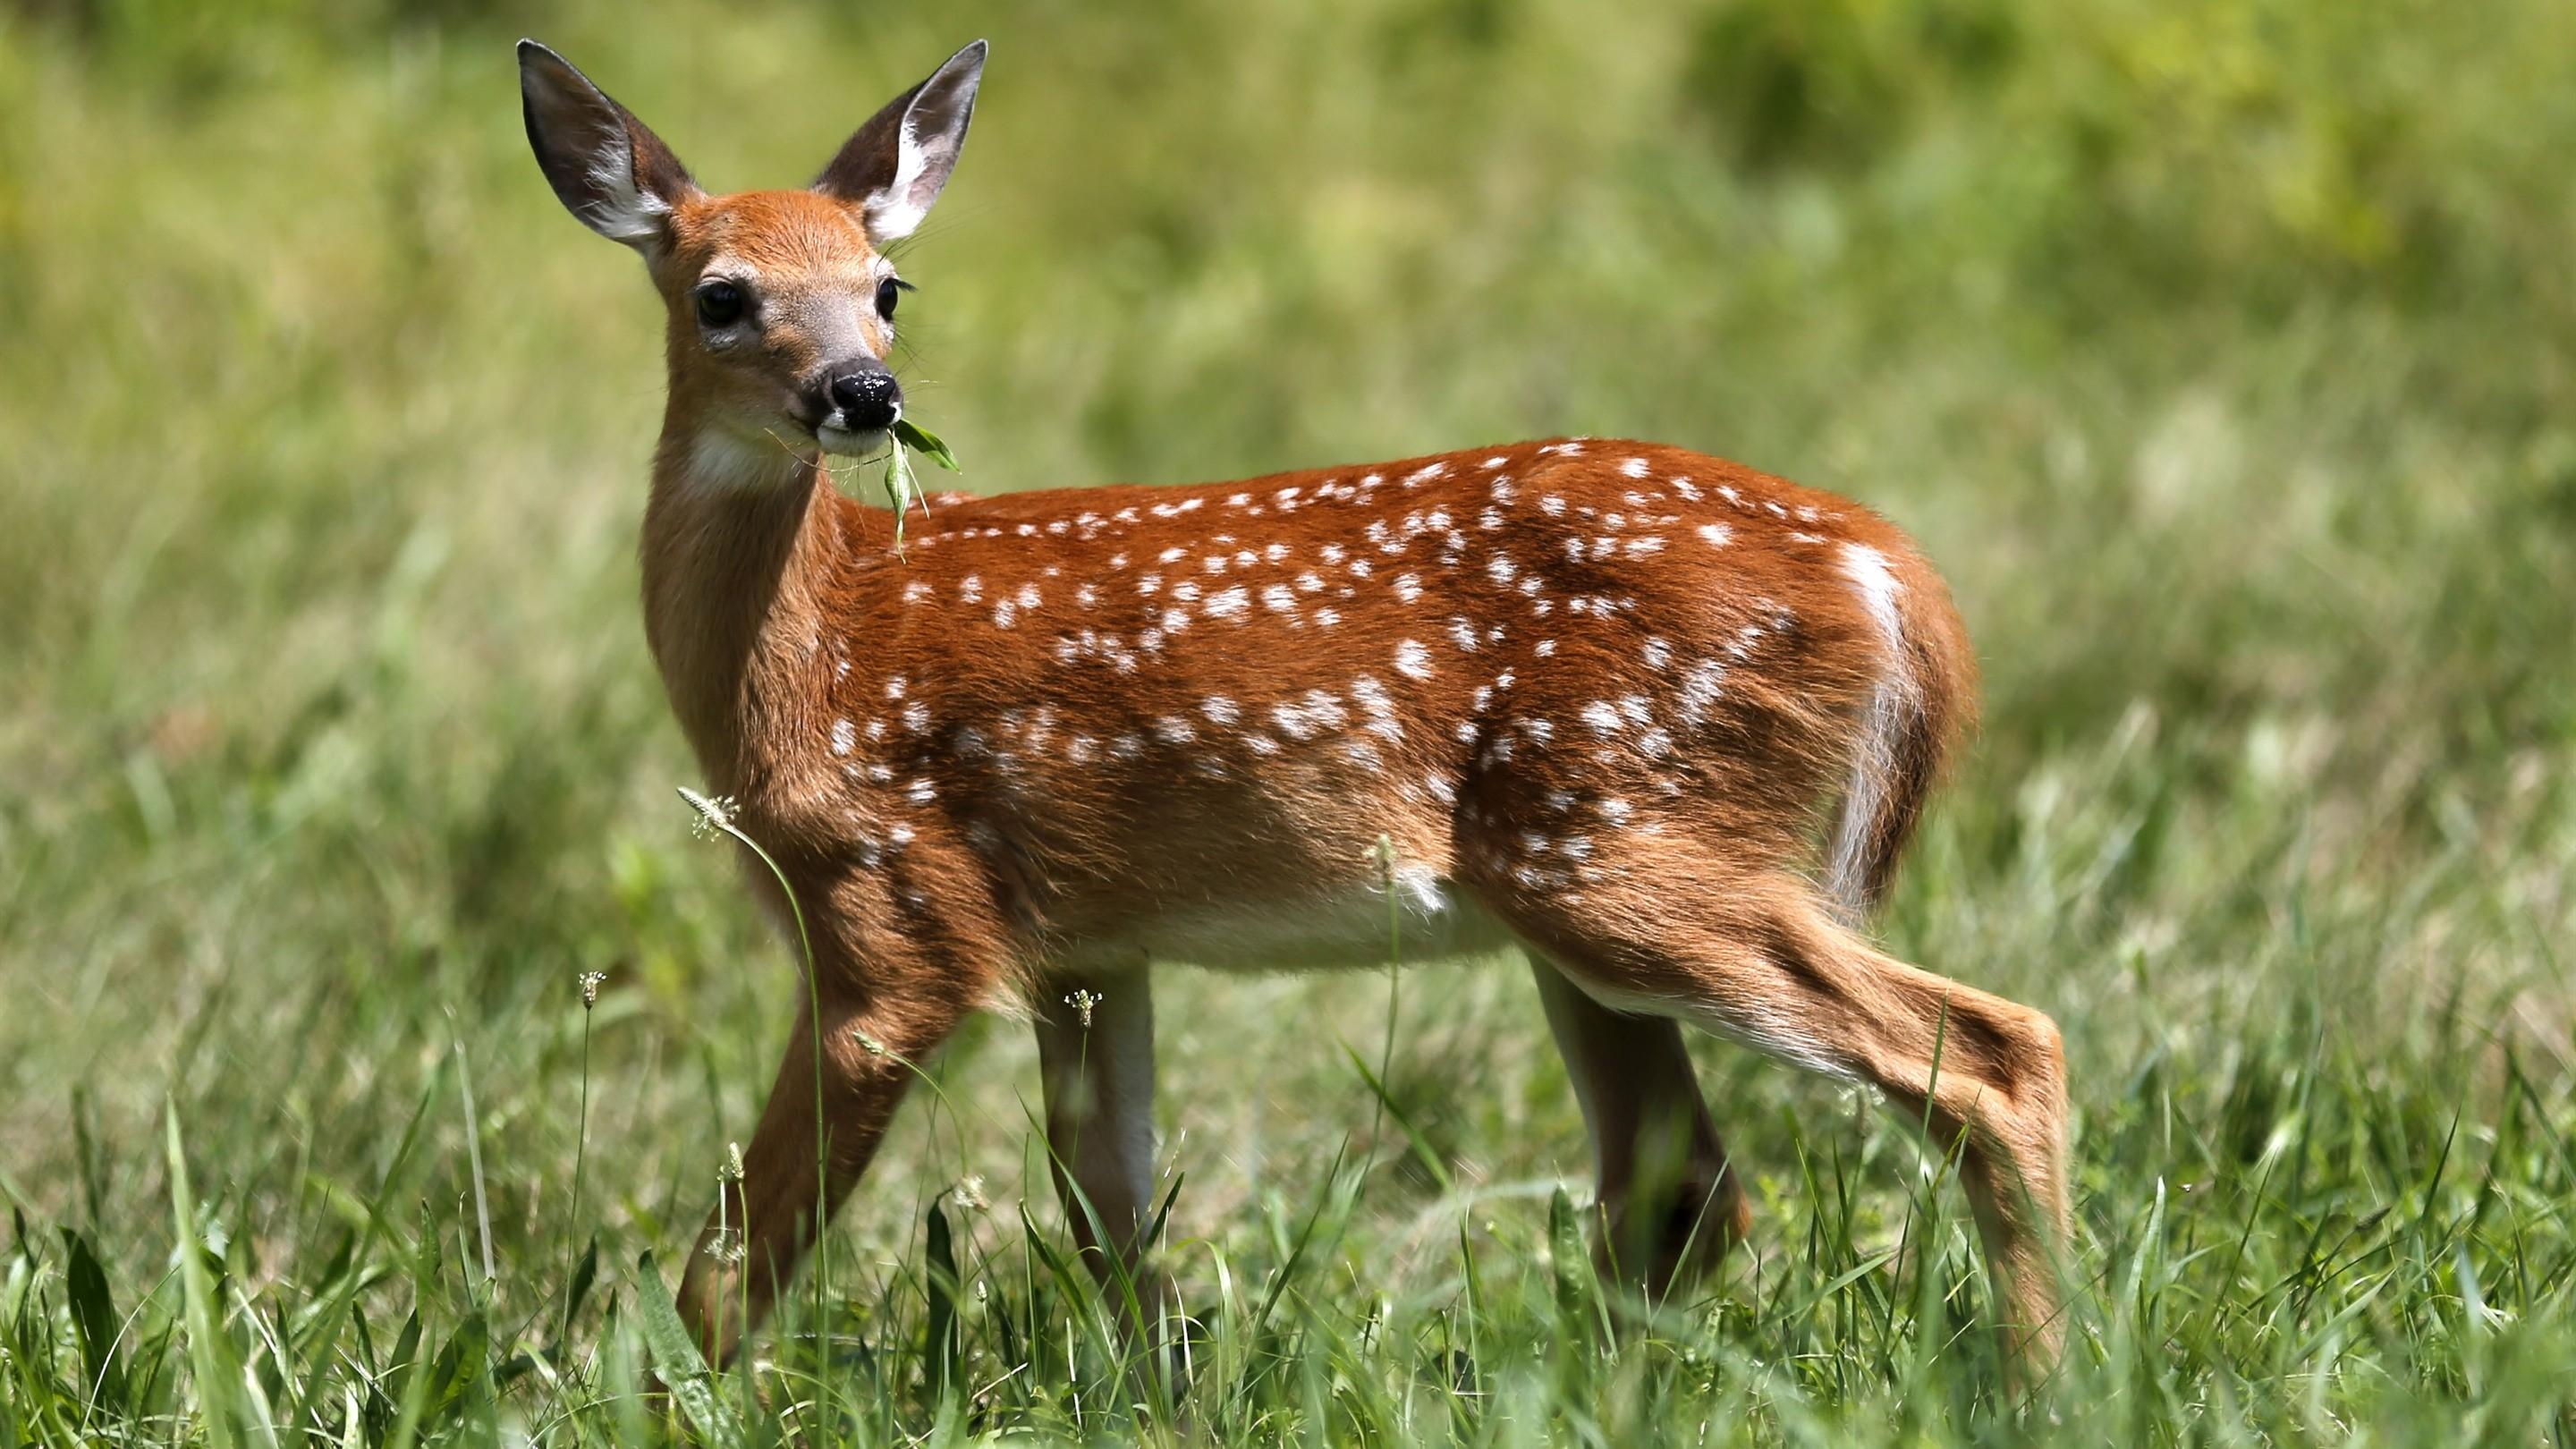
[[1670, 1204], [1667, 927]]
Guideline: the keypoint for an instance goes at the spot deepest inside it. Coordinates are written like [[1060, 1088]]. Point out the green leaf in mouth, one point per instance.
[[922, 440], [902, 486]]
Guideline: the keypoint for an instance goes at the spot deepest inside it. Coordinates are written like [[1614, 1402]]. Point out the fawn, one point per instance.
[[1661, 720]]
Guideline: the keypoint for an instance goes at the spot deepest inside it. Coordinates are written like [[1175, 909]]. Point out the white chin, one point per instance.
[[849, 444]]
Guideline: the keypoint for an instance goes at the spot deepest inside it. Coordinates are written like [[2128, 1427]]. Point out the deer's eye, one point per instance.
[[720, 304], [889, 292]]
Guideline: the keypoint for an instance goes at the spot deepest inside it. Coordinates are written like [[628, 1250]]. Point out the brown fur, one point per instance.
[[1601, 697], [1024, 853]]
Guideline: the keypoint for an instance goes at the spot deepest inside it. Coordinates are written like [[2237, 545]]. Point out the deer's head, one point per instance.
[[782, 303]]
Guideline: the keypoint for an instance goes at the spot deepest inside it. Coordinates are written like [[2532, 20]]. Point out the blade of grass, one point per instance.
[[675, 1357], [209, 1352]]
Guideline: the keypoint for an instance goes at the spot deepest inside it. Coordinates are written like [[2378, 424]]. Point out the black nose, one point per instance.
[[867, 399]]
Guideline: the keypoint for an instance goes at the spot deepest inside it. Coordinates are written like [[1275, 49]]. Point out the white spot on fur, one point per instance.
[[1312, 714], [1700, 690]]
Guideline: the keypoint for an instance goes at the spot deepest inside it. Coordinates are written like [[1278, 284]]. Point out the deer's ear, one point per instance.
[[607, 167], [893, 167]]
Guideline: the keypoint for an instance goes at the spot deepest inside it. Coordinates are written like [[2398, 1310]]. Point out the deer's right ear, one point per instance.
[[894, 166], [607, 167]]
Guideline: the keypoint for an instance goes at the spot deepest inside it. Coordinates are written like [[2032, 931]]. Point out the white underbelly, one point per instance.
[[1353, 927]]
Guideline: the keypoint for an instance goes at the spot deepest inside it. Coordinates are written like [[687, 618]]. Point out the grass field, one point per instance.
[[2223, 354]]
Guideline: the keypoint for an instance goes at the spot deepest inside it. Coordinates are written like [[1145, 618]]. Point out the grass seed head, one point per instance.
[[1082, 1002], [715, 813]]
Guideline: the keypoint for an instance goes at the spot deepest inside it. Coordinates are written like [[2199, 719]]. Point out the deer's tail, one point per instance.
[[1921, 709]]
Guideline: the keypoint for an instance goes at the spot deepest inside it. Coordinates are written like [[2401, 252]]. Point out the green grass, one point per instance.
[[2224, 355]]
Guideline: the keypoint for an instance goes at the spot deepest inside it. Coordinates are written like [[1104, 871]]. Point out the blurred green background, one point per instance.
[[2223, 354]]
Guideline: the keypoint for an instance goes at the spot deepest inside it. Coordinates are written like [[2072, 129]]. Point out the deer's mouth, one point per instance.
[[849, 444]]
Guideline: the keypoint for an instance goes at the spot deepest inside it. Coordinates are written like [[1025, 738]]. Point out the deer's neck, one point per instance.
[[746, 548]]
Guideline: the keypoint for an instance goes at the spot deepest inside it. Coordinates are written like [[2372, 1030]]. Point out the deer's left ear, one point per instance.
[[607, 167], [894, 166]]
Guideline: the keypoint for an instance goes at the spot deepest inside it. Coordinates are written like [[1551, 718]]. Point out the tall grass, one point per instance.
[[2223, 354]]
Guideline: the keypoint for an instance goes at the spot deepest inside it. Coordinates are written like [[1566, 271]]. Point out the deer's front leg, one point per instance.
[[752, 1243], [1096, 1058]]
